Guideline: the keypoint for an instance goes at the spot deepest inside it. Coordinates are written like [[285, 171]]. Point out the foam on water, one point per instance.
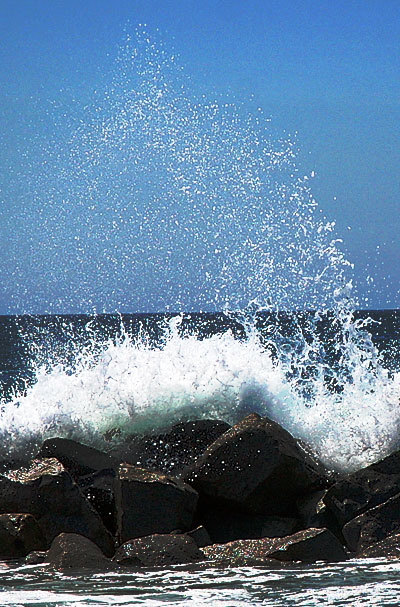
[[157, 202]]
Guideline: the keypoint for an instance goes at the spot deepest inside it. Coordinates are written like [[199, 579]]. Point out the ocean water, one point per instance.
[[356, 583], [150, 200]]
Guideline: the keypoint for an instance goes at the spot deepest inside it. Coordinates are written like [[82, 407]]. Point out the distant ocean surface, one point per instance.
[[67, 342]]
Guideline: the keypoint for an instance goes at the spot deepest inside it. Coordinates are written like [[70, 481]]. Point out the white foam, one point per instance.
[[134, 387]]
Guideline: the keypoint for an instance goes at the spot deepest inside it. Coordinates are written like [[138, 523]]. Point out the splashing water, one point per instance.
[[157, 202]]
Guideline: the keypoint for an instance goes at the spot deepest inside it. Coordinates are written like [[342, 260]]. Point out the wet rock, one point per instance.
[[36, 557], [312, 510], [19, 534], [99, 488], [225, 526], [358, 492], [200, 536], [309, 546], [173, 450], [74, 552], [150, 502], [256, 467], [78, 459], [373, 526], [387, 548], [48, 492], [159, 551]]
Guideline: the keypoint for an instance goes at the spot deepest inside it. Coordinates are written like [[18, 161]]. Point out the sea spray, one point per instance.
[[153, 201], [129, 385]]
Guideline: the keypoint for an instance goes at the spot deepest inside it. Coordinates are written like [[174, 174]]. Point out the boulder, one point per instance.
[[78, 459], [200, 536], [225, 526], [388, 548], [362, 490], [19, 535], [312, 510], [150, 502], [256, 467], [173, 450], [99, 488], [159, 551], [308, 546], [74, 552], [373, 526], [48, 492]]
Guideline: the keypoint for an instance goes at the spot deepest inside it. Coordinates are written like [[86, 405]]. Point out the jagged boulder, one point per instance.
[[309, 546], [93, 470], [159, 551], [256, 467], [149, 502], [19, 535], [78, 459], [173, 450], [373, 526], [362, 490], [48, 492], [74, 552]]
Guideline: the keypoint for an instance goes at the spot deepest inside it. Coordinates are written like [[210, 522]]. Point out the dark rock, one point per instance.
[[79, 460], [312, 510], [358, 492], [19, 534], [158, 551], [309, 545], [149, 502], [200, 536], [224, 526], [36, 557], [70, 551], [98, 488], [373, 526], [387, 548], [48, 492], [171, 451], [256, 467]]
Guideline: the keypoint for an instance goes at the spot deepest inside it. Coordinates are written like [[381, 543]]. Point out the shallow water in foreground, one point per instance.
[[357, 582]]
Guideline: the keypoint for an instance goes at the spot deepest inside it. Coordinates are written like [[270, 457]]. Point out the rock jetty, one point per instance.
[[201, 493]]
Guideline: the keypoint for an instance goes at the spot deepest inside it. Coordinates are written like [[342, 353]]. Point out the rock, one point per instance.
[[387, 548], [158, 551], [312, 510], [19, 534], [149, 502], [36, 557], [47, 491], [171, 451], [79, 460], [224, 526], [309, 546], [98, 488], [362, 490], [71, 551], [373, 526], [200, 536], [256, 467]]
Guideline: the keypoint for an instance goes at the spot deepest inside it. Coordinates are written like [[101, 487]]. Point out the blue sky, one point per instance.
[[325, 71]]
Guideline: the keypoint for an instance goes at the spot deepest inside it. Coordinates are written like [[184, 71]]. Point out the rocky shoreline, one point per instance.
[[201, 493]]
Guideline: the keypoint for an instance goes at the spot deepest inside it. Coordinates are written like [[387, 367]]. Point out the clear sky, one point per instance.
[[327, 71]]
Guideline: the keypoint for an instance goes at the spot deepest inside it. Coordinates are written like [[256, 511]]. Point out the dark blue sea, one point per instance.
[[335, 385]]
